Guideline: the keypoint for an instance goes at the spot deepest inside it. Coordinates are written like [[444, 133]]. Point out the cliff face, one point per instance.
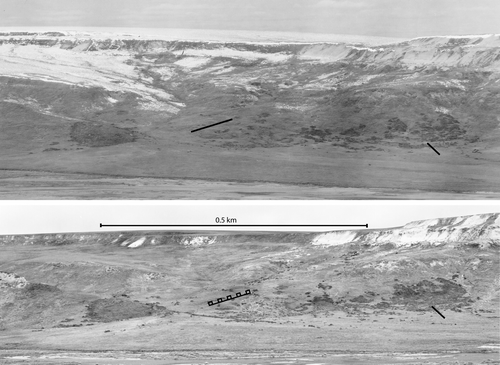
[[472, 51], [478, 229]]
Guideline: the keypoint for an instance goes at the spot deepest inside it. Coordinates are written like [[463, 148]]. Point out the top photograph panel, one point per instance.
[[233, 99]]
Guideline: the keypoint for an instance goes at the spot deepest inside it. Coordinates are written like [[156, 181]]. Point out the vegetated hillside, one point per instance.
[[65, 101], [75, 280]]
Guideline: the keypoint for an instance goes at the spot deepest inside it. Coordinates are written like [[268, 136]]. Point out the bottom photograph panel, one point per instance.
[[423, 292]]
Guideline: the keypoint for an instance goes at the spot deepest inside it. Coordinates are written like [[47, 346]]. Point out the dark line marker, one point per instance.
[[211, 125], [437, 311], [428, 144], [233, 225], [229, 297]]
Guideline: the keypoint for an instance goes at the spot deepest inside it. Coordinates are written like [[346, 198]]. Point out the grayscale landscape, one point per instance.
[[342, 297], [103, 114]]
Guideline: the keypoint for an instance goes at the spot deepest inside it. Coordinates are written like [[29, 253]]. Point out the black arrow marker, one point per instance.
[[437, 311], [211, 125], [428, 144]]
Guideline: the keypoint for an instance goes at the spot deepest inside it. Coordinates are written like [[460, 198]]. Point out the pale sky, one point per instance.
[[383, 18], [63, 216]]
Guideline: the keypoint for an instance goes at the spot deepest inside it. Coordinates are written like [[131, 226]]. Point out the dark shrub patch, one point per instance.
[[94, 134]]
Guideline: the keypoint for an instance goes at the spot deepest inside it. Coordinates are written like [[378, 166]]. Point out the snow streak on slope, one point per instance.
[[137, 243], [479, 229], [104, 69]]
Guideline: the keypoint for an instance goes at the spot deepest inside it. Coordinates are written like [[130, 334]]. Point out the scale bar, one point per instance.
[[233, 225]]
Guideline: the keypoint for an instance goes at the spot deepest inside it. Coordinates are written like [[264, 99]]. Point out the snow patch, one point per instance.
[[192, 62], [334, 238], [223, 71], [198, 241], [386, 266], [436, 262], [442, 109], [159, 106], [137, 243], [301, 108], [12, 280]]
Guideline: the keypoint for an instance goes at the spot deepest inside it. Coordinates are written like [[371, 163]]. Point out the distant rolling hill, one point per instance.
[[327, 114]]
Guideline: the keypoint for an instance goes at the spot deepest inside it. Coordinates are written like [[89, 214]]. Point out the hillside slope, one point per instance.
[[372, 292], [125, 107]]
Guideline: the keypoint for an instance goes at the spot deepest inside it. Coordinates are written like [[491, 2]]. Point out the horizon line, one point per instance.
[[119, 30]]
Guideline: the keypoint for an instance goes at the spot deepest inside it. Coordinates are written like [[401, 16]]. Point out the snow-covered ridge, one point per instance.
[[473, 52], [481, 51], [470, 36], [113, 39], [482, 228], [203, 35]]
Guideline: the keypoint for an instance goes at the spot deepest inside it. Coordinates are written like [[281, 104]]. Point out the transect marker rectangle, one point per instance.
[[229, 297]]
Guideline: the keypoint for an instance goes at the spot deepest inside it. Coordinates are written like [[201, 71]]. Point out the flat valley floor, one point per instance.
[[336, 339], [204, 173]]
